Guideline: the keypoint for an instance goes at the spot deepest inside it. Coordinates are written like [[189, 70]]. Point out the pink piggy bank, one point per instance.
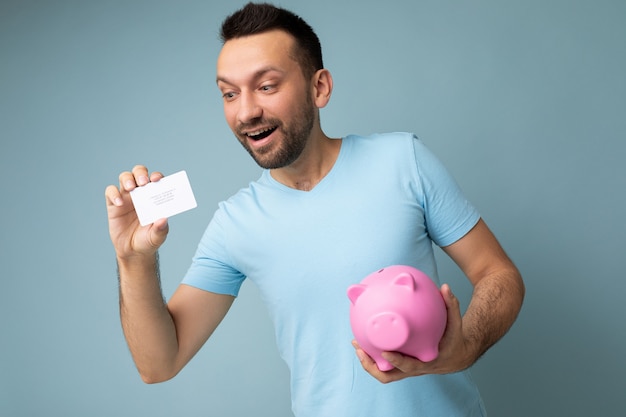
[[400, 309]]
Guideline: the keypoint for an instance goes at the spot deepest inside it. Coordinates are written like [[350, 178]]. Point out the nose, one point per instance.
[[249, 109], [387, 331]]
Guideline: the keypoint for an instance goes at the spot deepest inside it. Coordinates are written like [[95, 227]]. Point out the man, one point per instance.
[[324, 214]]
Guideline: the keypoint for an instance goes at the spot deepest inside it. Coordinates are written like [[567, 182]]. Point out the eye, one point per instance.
[[228, 95], [268, 88]]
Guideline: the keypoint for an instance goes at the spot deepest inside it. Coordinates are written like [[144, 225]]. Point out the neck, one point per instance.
[[312, 166]]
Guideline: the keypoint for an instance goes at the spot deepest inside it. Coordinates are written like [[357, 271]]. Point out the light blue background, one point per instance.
[[525, 102]]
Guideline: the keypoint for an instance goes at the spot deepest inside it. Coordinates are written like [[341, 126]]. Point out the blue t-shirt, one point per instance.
[[384, 202]]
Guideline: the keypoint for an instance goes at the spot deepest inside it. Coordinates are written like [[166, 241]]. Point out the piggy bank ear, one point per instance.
[[405, 280], [355, 291]]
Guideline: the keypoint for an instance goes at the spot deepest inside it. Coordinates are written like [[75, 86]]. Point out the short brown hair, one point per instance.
[[255, 18]]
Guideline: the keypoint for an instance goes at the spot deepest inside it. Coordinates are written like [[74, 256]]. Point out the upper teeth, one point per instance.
[[258, 132]]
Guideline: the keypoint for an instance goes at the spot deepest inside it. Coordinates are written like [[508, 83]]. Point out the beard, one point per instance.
[[281, 152]]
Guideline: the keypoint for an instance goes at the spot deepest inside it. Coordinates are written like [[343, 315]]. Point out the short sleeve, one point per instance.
[[449, 215], [210, 268]]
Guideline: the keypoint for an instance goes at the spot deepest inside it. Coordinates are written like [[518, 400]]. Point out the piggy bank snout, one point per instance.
[[387, 331]]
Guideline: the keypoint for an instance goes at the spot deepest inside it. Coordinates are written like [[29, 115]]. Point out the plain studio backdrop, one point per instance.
[[525, 102]]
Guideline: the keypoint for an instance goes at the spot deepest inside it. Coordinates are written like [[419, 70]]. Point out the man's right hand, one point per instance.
[[129, 238]]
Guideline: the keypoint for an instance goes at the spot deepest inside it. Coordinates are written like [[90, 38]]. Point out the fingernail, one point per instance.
[[143, 180], [360, 354], [118, 201], [162, 226], [129, 184]]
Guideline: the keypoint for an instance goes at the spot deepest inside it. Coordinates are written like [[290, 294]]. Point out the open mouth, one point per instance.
[[261, 134]]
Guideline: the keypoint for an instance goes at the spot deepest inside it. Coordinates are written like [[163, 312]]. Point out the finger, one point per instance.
[[140, 173], [405, 363], [371, 368], [368, 363], [359, 351], [452, 303], [453, 319], [127, 181], [155, 176], [113, 196], [452, 338], [364, 358]]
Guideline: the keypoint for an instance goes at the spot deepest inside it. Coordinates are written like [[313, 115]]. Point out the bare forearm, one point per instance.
[[495, 304], [147, 324]]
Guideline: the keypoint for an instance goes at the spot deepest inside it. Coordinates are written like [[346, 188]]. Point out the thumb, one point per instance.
[[452, 303], [158, 233]]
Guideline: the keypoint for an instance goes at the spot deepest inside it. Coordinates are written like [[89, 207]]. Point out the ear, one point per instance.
[[355, 291], [322, 88], [405, 280]]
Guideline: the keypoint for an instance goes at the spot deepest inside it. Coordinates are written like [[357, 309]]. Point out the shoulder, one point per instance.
[[382, 139], [242, 199], [400, 146], [249, 201], [379, 145]]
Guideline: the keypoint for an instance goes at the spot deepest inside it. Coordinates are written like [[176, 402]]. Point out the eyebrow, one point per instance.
[[258, 74]]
